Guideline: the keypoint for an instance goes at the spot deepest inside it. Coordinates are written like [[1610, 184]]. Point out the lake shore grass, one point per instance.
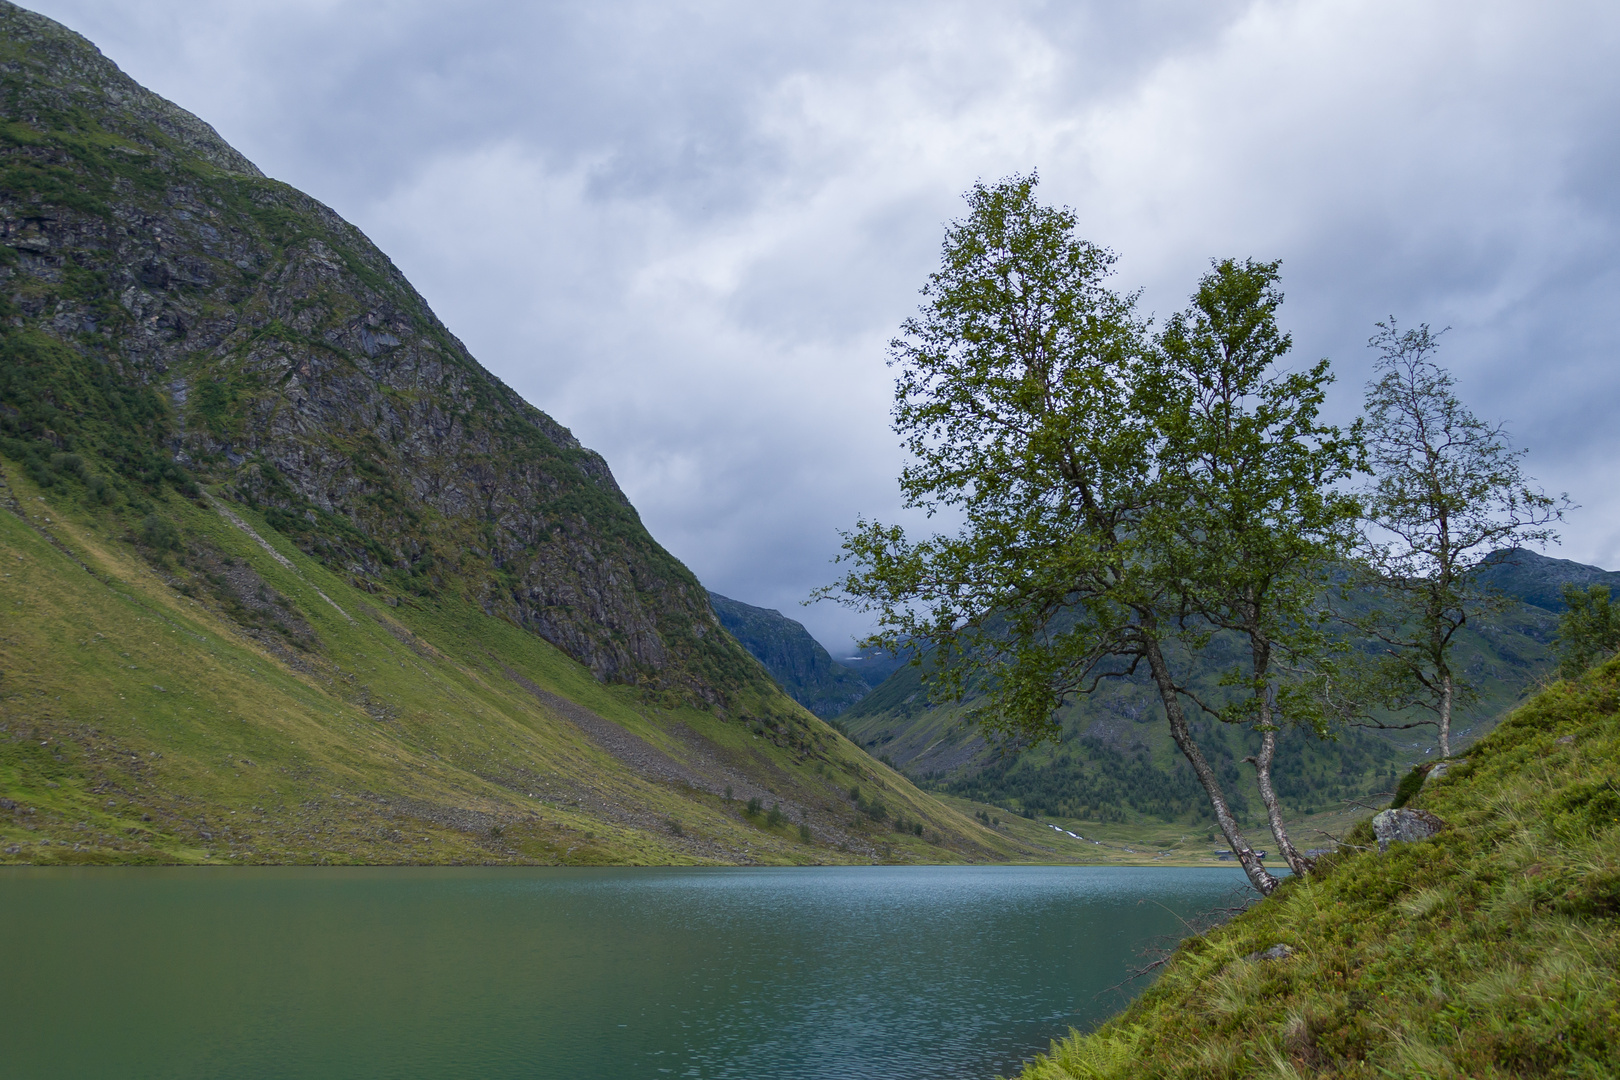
[[1489, 950], [1147, 842]]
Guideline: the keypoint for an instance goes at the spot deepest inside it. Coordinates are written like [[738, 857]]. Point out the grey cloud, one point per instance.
[[687, 231]]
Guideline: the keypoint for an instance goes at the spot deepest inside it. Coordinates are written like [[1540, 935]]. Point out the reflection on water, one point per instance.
[[823, 973]]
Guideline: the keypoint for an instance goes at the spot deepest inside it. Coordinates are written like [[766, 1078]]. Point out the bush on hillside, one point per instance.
[[159, 534]]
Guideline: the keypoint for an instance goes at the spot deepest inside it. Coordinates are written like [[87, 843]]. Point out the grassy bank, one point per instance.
[[1489, 950], [149, 714]]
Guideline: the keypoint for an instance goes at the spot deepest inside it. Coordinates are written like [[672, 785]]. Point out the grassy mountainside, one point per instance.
[[205, 697], [1489, 950], [176, 319], [288, 576], [798, 663]]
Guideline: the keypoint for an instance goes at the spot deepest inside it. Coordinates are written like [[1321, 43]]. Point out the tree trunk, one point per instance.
[[1259, 877], [1261, 652], [1298, 863], [1445, 716]]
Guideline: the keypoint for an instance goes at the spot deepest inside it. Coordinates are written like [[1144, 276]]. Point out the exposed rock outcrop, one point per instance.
[[1404, 827]]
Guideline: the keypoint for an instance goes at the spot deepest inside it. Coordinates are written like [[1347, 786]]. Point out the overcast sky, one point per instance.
[[688, 231]]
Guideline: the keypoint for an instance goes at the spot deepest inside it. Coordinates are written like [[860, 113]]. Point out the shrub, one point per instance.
[[754, 806], [1410, 785], [159, 533], [775, 817], [1588, 630], [804, 832], [877, 811]]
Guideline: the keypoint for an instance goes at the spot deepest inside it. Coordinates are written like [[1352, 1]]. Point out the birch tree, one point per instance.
[[1449, 498], [1252, 479], [1035, 406]]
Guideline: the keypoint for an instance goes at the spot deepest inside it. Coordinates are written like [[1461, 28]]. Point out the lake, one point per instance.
[[922, 973]]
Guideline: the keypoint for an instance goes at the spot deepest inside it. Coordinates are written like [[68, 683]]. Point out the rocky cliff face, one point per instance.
[[174, 314]]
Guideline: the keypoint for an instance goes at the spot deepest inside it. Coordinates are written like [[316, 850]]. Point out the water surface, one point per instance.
[[883, 973]]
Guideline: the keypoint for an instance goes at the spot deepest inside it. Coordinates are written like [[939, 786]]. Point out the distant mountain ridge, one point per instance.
[[1113, 757], [797, 661], [1539, 580]]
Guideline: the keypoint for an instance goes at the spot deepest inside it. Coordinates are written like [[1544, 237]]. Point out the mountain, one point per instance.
[[288, 576], [797, 662], [191, 321], [1539, 581], [876, 665], [1486, 950], [1116, 764]]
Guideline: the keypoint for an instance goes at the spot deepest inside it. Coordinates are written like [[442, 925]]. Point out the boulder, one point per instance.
[[1276, 952], [1404, 827]]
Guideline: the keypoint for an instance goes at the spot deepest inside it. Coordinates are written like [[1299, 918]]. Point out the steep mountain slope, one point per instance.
[[228, 697], [190, 321], [797, 662], [289, 577], [875, 665], [1491, 949], [1116, 764]]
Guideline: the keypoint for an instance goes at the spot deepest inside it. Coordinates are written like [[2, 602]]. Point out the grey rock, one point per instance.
[[1404, 827], [1276, 952], [1440, 768]]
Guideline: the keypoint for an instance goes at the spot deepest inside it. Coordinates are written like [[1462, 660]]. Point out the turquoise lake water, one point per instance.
[[881, 973]]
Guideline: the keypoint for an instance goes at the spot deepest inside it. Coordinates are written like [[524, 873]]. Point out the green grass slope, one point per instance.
[[198, 696], [1489, 950]]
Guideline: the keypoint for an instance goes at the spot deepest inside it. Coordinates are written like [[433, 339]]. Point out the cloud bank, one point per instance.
[[687, 231]]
